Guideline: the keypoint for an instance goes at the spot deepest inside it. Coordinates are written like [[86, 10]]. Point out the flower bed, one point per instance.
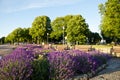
[[33, 63]]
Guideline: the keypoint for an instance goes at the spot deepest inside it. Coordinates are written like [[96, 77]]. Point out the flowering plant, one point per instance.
[[16, 66]]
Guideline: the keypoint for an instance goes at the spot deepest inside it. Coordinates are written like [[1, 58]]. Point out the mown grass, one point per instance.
[[101, 46]]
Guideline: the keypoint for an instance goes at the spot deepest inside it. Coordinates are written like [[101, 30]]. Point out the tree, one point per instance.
[[15, 36], [110, 24], [40, 27], [67, 18], [57, 27], [19, 35], [94, 38], [2, 40], [77, 30], [26, 37], [9, 38]]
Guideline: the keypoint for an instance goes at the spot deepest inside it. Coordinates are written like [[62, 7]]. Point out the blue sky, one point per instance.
[[21, 13]]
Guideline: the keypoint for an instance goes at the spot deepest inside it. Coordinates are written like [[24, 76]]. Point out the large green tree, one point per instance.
[[57, 29], [19, 35], [77, 30], [2, 40], [15, 35], [25, 36], [110, 24], [94, 38], [40, 28], [59, 26], [9, 38], [70, 27]]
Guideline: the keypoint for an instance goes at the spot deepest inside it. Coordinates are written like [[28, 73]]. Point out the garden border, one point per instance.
[[89, 75]]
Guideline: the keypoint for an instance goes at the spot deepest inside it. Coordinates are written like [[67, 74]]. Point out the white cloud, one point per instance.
[[18, 5]]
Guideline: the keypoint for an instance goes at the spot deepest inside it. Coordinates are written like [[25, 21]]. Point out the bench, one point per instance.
[[114, 51], [60, 47], [85, 48]]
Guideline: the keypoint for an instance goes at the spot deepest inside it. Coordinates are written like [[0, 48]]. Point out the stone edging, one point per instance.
[[89, 75]]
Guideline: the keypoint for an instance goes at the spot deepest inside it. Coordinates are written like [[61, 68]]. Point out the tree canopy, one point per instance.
[[69, 28], [77, 29], [73, 27], [19, 35], [40, 27], [2, 40], [57, 27], [110, 24]]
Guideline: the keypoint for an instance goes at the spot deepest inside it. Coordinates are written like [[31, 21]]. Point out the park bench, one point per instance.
[[115, 50], [85, 48], [62, 47]]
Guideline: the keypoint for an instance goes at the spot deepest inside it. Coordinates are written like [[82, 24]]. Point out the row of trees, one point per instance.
[[19, 35], [70, 28]]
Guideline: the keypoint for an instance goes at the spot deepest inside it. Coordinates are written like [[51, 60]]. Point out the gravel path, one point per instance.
[[112, 71], [6, 49]]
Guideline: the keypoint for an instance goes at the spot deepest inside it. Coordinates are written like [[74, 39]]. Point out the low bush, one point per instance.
[[40, 68]]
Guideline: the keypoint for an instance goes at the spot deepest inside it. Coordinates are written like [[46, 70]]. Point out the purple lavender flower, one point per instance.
[[16, 66], [60, 65]]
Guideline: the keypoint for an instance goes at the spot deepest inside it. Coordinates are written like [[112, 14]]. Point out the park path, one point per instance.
[[6, 49], [111, 72]]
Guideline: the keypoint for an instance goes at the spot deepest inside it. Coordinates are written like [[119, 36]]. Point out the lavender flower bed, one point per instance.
[[33, 63], [16, 66]]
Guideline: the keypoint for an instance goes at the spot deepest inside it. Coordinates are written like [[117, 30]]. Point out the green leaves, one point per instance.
[[19, 35], [77, 29], [40, 27], [40, 69], [110, 25], [57, 26]]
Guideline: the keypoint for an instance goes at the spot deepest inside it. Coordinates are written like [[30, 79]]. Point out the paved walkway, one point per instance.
[[112, 71]]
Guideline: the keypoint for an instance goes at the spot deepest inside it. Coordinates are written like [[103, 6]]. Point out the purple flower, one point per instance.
[[16, 65]]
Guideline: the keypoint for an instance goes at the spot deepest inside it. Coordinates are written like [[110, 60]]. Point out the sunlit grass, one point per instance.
[[101, 46]]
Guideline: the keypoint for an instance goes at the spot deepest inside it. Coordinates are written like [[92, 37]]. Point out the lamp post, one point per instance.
[[47, 37], [63, 35], [17, 38]]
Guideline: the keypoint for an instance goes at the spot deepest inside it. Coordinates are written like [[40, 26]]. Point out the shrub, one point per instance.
[[40, 68], [16, 66]]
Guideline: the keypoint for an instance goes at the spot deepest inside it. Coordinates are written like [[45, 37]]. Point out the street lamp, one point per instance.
[[63, 35], [47, 37]]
